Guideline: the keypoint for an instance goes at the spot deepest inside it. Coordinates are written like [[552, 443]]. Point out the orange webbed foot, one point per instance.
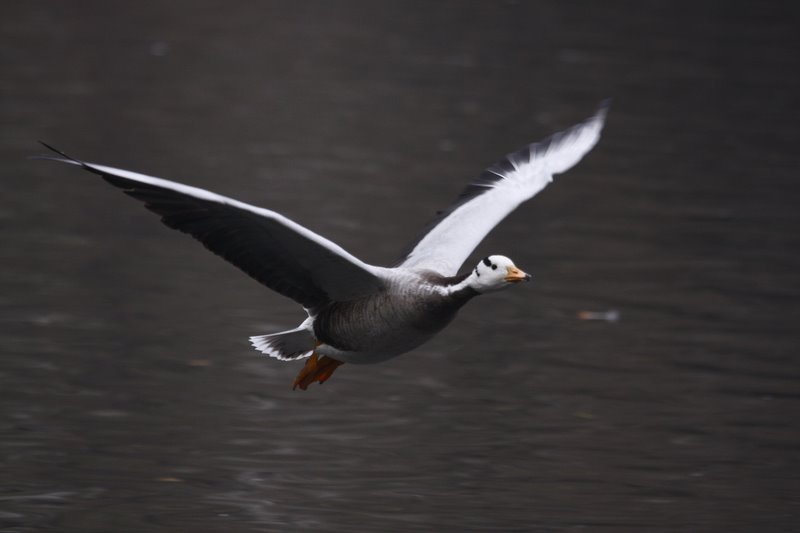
[[316, 369]]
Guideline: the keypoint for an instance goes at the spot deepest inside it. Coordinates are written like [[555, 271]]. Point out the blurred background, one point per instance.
[[130, 399]]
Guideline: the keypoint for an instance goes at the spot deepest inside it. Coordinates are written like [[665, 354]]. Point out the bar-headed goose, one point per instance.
[[361, 313]]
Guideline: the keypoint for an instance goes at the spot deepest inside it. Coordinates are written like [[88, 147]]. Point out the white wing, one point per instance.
[[281, 254], [458, 230]]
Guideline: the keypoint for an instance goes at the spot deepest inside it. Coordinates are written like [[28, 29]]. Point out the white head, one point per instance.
[[494, 273]]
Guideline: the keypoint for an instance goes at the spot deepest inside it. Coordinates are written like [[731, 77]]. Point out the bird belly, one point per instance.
[[377, 329]]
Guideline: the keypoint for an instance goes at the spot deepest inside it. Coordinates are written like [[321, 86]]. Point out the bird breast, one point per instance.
[[391, 322]]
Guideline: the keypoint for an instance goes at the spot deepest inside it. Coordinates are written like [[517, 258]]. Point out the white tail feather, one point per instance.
[[288, 345]]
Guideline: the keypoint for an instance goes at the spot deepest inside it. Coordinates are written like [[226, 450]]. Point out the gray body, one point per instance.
[[393, 321]]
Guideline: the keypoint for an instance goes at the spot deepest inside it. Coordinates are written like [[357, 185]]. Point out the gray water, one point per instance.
[[130, 399]]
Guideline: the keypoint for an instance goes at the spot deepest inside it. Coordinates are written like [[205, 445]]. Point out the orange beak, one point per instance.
[[515, 275]]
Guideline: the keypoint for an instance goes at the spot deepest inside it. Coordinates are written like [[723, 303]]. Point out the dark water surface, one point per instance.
[[131, 401]]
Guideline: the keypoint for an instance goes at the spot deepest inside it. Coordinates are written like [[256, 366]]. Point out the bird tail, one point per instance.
[[287, 345]]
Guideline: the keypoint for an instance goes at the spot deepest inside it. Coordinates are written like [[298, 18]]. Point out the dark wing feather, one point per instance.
[[270, 248]]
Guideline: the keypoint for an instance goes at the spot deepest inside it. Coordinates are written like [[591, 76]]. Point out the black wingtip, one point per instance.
[[602, 109], [59, 152], [64, 158]]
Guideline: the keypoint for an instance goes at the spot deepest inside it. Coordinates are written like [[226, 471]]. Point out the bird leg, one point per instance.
[[316, 369]]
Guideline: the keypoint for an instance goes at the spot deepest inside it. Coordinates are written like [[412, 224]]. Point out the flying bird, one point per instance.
[[357, 312]]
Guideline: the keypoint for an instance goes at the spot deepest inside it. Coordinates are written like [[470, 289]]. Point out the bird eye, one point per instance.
[[494, 267]]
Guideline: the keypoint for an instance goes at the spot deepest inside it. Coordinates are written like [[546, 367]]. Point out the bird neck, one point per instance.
[[462, 288]]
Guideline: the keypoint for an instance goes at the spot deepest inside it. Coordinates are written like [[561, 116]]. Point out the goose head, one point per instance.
[[496, 272]]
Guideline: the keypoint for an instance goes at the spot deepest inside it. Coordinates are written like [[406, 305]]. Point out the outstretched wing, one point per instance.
[[281, 254], [455, 232]]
